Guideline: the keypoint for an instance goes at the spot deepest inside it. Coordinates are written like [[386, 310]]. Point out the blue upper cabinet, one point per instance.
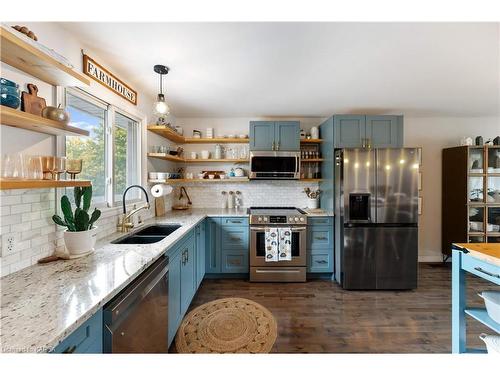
[[349, 131], [275, 135], [384, 131], [287, 136], [360, 131], [261, 135]]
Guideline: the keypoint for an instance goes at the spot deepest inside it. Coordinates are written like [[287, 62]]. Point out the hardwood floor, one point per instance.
[[320, 317]]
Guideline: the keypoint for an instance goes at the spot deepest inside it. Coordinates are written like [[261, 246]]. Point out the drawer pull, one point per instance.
[[235, 221], [69, 350], [235, 262], [232, 238], [321, 261], [320, 238], [479, 269]]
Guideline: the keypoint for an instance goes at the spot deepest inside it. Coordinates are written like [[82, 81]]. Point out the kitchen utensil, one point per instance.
[[159, 206], [239, 172], [31, 102], [314, 132], [59, 167], [205, 154], [47, 167], [56, 114], [218, 152], [74, 167]]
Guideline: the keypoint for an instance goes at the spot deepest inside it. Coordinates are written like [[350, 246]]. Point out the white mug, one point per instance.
[[205, 154], [189, 176], [194, 155]]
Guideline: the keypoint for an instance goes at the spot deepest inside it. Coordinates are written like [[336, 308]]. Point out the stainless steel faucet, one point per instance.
[[124, 223]]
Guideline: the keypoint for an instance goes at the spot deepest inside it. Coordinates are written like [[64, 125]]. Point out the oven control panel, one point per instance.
[[278, 219]]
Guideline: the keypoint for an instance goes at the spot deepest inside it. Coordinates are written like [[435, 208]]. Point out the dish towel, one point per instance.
[[285, 244], [272, 244]]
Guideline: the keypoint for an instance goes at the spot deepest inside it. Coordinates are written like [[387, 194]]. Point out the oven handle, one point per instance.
[[294, 229]]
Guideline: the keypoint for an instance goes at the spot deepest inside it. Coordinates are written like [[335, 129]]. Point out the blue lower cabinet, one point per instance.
[[200, 252], [227, 245], [86, 339], [234, 261], [188, 274], [320, 244]]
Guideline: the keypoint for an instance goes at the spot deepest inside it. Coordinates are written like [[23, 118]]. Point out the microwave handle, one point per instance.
[[294, 229], [297, 163]]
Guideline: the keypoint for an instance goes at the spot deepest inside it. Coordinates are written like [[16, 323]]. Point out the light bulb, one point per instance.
[[161, 107]]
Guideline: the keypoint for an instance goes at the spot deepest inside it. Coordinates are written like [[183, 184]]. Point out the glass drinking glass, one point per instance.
[[73, 167], [12, 166], [33, 167], [47, 167], [58, 167]]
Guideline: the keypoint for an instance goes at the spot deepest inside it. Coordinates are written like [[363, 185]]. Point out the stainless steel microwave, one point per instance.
[[274, 165]]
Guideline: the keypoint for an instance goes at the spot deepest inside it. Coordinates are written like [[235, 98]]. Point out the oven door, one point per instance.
[[274, 165], [258, 249]]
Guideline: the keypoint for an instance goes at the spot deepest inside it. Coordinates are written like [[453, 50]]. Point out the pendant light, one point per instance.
[[160, 107]]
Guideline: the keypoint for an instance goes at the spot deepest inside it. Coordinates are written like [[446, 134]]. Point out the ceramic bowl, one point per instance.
[[153, 175], [8, 82], [211, 176], [11, 90], [11, 101]]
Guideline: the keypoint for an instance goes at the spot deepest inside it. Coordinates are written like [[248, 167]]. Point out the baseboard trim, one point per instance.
[[430, 258]]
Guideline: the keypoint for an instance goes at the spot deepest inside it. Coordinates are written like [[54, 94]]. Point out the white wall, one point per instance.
[[26, 214], [433, 134]]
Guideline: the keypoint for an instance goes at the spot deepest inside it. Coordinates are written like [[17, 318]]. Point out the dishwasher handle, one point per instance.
[[138, 289]]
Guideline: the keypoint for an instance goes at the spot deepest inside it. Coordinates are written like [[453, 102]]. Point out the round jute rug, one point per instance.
[[228, 325]]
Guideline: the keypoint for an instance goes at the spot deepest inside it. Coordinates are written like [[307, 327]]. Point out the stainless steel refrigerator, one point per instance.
[[376, 218]]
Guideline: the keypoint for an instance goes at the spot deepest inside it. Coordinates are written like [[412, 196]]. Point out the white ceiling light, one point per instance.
[[160, 107]]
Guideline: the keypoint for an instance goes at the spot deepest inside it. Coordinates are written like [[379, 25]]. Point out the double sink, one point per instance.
[[147, 235]]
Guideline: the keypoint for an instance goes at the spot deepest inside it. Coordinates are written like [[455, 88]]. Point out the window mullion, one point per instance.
[[109, 147]]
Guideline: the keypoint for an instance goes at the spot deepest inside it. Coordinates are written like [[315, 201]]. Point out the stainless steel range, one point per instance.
[[262, 218]]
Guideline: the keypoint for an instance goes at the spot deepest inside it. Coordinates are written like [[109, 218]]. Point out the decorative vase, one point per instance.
[[80, 243], [313, 203]]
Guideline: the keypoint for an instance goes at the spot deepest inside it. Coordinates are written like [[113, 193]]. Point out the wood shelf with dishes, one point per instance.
[[200, 180], [175, 137], [316, 160], [41, 184], [311, 180], [25, 56], [28, 121], [179, 159]]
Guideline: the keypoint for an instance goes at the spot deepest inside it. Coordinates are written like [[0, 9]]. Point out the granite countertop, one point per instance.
[[42, 304]]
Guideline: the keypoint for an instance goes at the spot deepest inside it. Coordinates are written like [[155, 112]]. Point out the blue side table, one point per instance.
[[482, 260]]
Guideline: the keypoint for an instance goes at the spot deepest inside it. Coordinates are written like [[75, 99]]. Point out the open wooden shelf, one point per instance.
[[215, 140], [200, 161], [22, 55], [166, 133], [41, 184], [178, 159], [311, 180], [311, 140], [199, 180], [163, 156], [311, 160], [24, 120]]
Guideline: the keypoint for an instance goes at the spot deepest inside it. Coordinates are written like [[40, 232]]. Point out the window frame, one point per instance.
[[109, 142]]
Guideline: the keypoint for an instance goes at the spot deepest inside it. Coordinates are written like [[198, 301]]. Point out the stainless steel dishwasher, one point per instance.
[[136, 320]]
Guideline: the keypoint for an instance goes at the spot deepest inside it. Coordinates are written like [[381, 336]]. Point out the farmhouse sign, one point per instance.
[[100, 74]]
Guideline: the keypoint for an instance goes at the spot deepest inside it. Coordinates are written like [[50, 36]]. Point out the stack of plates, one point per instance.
[[9, 93]]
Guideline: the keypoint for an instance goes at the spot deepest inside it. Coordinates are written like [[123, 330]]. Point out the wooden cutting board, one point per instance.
[[159, 206], [31, 102]]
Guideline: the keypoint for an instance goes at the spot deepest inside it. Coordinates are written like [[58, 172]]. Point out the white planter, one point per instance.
[[313, 203], [80, 243]]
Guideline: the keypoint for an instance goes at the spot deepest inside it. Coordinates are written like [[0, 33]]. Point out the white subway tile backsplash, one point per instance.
[[31, 198], [20, 208], [10, 199], [11, 219]]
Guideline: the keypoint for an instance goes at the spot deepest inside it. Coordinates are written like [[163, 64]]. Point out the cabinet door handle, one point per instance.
[[235, 221], [321, 261], [363, 142], [320, 238], [234, 239], [274, 145], [70, 350], [368, 142], [278, 148], [479, 269]]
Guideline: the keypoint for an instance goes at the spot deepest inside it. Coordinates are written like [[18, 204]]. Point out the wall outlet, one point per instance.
[[9, 242]]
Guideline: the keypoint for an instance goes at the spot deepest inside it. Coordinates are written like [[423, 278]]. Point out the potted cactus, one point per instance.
[[80, 234]]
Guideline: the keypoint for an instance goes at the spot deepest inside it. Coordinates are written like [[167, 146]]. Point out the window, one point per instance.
[[110, 154]]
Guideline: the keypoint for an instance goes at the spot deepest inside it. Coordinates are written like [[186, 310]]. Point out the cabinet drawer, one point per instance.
[[235, 221], [234, 262], [321, 262], [482, 269], [319, 238], [234, 238], [323, 220], [86, 339]]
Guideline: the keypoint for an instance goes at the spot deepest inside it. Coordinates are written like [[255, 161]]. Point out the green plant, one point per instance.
[[80, 220]]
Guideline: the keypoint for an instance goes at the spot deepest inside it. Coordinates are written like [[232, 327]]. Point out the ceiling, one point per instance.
[[307, 69]]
